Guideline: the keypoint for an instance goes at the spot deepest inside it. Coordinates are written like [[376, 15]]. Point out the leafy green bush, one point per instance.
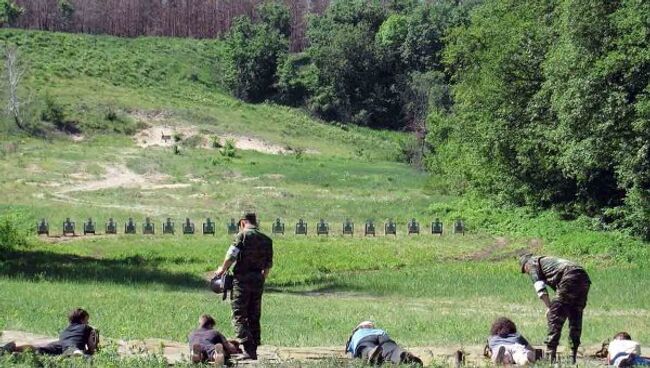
[[229, 150], [253, 52], [14, 230], [9, 12]]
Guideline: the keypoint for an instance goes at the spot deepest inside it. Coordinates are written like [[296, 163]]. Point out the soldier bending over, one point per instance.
[[571, 284], [376, 347]]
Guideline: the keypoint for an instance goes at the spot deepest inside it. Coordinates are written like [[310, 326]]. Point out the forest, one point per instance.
[[544, 104]]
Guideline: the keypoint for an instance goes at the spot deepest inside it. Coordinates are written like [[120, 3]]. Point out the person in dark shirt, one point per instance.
[[252, 254], [208, 344], [507, 346], [571, 285], [373, 345], [77, 338]]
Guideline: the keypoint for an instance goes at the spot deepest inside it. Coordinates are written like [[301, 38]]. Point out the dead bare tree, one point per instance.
[[12, 77]]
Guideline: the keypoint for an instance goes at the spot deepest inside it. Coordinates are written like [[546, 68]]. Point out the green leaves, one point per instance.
[[548, 99], [253, 52]]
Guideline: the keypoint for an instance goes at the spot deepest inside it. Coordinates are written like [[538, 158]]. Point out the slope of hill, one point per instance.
[[111, 84]]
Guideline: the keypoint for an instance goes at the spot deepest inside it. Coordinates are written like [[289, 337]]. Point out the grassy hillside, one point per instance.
[[426, 290], [95, 76]]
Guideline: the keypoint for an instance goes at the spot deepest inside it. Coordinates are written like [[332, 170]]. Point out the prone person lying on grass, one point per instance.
[[79, 338], [376, 347], [209, 345], [625, 352], [506, 346]]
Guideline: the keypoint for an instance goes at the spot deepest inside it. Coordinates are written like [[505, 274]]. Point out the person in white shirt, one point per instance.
[[625, 352]]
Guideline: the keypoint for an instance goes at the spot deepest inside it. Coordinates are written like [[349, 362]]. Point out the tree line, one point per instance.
[[131, 18], [551, 108], [538, 103]]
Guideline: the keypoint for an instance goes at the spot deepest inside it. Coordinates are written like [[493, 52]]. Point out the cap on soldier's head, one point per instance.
[[250, 217], [523, 259]]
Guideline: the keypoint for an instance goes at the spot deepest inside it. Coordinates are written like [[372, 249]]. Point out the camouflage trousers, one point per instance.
[[569, 303], [247, 307]]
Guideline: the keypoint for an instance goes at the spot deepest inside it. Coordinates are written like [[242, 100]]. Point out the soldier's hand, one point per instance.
[[219, 271]]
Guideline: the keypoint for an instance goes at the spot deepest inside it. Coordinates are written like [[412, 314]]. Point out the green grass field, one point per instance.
[[425, 290]]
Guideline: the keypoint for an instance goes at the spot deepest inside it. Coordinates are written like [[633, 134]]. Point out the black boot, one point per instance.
[[553, 356], [250, 351], [574, 355]]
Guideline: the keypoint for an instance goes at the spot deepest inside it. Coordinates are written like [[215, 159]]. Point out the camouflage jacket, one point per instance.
[[252, 250], [548, 271]]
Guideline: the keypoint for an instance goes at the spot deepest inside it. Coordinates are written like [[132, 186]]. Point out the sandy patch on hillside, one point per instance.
[[162, 135]]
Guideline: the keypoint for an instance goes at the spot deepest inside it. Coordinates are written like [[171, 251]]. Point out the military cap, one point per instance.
[[249, 216], [523, 259]]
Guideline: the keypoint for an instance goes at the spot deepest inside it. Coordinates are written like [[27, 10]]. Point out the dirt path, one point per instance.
[[177, 352]]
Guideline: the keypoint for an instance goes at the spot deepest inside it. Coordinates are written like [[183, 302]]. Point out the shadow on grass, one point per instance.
[[41, 265], [313, 286]]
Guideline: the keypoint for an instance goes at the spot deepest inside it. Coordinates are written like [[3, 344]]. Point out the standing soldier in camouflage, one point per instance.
[[252, 252], [571, 285]]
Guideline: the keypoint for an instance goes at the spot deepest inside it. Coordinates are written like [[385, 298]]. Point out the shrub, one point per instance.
[[229, 149], [13, 231]]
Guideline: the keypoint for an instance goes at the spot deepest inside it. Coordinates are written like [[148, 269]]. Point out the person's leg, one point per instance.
[[557, 315], [255, 314], [391, 352], [241, 298], [196, 353], [575, 330], [498, 357], [371, 352], [54, 348], [521, 355], [573, 291], [642, 361]]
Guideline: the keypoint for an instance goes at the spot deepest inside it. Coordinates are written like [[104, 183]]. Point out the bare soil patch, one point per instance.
[[164, 136], [176, 352]]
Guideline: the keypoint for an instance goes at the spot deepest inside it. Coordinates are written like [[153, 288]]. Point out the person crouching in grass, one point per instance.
[[78, 338], [507, 346], [209, 345]]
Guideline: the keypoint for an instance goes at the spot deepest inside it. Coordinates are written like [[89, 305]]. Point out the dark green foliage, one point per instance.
[[366, 82], [275, 16], [354, 79], [357, 68], [297, 77], [14, 229], [253, 52], [551, 107], [9, 12], [54, 113]]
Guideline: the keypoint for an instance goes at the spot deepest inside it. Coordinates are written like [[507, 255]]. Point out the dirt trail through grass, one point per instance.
[[176, 352]]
